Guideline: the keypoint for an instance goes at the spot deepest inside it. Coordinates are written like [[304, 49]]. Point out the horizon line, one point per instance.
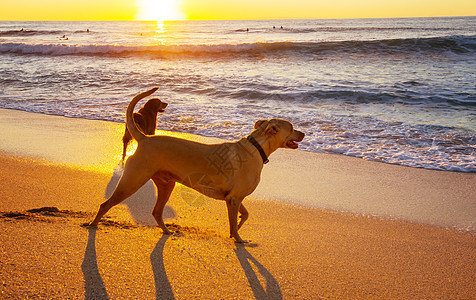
[[269, 19]]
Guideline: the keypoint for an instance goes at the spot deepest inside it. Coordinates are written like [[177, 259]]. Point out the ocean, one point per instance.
[[399, 91]]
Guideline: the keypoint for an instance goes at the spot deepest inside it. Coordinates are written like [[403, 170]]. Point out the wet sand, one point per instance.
[[296, 252]]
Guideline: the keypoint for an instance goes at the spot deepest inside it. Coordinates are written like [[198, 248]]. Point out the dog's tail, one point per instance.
[[131, 124]]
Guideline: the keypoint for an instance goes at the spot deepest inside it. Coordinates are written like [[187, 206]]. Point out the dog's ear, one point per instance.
[[271, 130], [259, 123]]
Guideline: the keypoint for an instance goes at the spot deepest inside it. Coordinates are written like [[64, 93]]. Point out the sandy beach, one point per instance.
[[297, 251]]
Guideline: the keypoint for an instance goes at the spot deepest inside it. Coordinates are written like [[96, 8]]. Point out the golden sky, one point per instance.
[[105, 10]]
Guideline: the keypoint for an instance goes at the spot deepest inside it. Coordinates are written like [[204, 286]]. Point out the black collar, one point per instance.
[[258, 147]]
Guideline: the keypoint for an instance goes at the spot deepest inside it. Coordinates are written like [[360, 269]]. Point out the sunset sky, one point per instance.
[[104, 10]]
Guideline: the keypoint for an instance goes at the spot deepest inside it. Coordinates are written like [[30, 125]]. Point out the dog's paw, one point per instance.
[[176, 234], [88, 225], [239, 240], [243, 242]]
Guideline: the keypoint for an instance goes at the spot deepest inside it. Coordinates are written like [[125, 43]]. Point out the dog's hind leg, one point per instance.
[[164, 189], [129, 183]]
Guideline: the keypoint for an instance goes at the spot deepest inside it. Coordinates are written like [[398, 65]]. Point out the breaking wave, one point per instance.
[[450, 44]]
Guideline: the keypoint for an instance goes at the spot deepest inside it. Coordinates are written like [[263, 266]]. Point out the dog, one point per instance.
[[145, 119], [228, 171]]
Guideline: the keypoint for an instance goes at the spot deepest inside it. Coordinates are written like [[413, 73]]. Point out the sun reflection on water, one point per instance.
[[160, 31]]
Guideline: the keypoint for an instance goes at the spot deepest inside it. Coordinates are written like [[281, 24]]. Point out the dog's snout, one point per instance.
[[162, 107], [300, 135]]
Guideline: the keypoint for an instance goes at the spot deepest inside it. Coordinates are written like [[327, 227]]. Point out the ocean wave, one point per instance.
[[341, 29], [20, 33], [322, 29], [451, 44], [347, 96]]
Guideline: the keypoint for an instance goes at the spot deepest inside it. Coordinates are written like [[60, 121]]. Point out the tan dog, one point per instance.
[[145, 119], [228, 171]]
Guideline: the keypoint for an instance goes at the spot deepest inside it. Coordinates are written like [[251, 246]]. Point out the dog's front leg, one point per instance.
[[233, 205]]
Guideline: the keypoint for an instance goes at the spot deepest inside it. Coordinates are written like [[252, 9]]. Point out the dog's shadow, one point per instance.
[[141, 203], [93, 283], [271, 289], [163, 288]]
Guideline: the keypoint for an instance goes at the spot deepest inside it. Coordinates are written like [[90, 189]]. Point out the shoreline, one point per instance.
[[212, 139]]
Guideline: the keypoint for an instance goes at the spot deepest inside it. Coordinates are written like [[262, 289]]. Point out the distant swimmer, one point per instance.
[[22, 29], [247, 29], [274, 27], [282, 27]]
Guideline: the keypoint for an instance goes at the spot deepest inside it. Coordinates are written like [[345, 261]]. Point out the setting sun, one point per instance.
[[159, 10]]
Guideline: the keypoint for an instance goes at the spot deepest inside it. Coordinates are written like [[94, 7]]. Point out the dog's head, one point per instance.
[[281, 131], [156, 105]]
